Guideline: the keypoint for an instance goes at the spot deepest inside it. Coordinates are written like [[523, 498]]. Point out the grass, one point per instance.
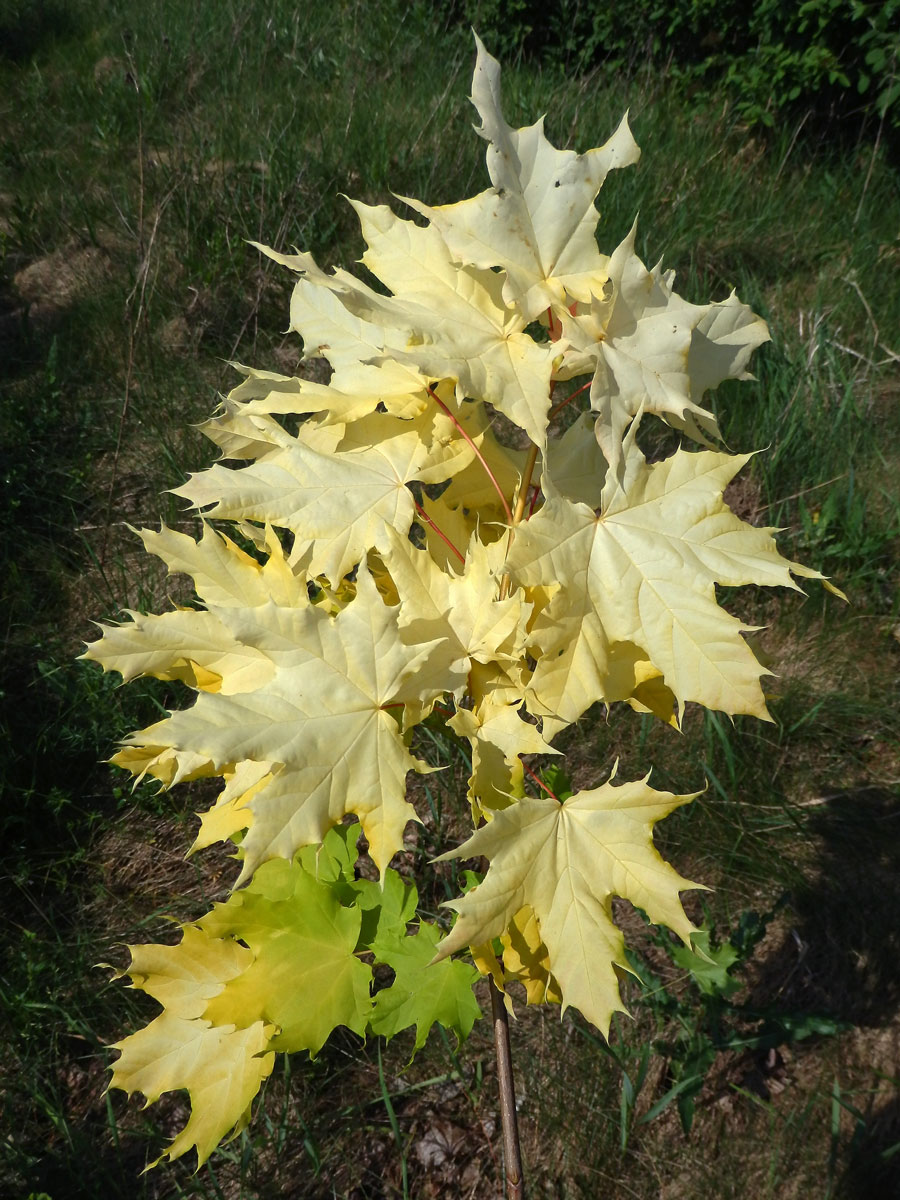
[[142, 146]]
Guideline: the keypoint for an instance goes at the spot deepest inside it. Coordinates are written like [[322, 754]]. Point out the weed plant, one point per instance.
[[141, 145]]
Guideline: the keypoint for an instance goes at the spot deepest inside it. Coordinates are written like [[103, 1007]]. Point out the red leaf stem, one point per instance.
[[478, 454], [537, 779], [562, 404], [425, 517]]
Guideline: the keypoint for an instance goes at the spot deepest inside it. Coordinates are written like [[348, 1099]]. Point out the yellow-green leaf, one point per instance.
[[304, 977]]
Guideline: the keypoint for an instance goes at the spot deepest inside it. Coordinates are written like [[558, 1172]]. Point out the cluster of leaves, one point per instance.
[[767, 60], [237, 988], [418, 536]]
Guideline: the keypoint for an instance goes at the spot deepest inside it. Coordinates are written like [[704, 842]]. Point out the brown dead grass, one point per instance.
[[50, 285]]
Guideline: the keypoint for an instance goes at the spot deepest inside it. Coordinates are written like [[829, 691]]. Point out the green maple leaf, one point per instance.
[[229, 1004], [386, 908], [708, 966], [423, 991], [333, 861]]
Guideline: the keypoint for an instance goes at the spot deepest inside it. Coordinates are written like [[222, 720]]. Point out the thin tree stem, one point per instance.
[[520, 510], [512, 1153], [526, 484]]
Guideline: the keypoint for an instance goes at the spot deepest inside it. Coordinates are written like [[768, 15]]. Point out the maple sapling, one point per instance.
[[392, 559]]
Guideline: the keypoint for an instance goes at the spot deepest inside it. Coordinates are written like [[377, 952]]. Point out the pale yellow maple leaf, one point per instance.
[[567, 861], [463, 327], [486, 962], [336, 504], [538, 220], [194, 646], [576, 666], [231, 812], [254, 435], [322, 718], [338, 497], [448, 530], [341, 319], [644, 572], [722, 342], [163, 763], [238, 434], [498, 736], [650, 693], [472, 490], [450, 437], [222, 572], [398, 389], [526, 959], [326, 718], [184, 978], [173, 645], [648, 348], [221, 1067], [575, 465], [461, 606]]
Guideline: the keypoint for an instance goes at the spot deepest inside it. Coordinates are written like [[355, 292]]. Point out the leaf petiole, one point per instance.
[[537, 779], [477, 452], [437, 529], [568, 400]]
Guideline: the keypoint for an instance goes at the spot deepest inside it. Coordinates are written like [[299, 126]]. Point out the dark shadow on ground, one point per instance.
[[840, 957]]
